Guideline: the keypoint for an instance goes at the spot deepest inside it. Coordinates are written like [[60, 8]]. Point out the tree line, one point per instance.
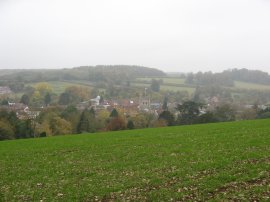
[[227, 77], [69, 120]]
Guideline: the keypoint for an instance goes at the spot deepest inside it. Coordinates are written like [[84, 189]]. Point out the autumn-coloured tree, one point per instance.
[[102, 119], [6, 130], [74, 95], [44, 129], [159, 123], [60, 126], [72, 115], [140, 121], [43, 88], [78, 93], [116, 123]]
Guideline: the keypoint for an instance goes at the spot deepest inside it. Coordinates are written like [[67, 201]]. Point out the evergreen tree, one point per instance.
[[165, 103], [83, 125], [47, 99], [64, 99], [25, 99], [155, 85], [87, 121], [4, 102], [114, 113], [24, 129], [189, 112], [168, 117], [130, 125]]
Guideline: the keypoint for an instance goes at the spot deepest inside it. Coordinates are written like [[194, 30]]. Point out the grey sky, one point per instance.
[[172, 35]]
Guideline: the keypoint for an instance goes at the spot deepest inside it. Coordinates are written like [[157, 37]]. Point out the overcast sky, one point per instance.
[[172, 35]]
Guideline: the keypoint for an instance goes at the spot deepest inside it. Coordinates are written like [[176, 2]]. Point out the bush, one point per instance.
[[6, 131], [116, 123]]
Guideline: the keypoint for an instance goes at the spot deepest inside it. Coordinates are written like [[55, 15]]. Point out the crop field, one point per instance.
[[60, 86], [170, 87], [225, 161], [190, 90], [166, 80], [251, 86]]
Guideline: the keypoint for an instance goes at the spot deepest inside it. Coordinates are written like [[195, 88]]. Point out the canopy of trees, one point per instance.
[[109, 74], [227, 78]]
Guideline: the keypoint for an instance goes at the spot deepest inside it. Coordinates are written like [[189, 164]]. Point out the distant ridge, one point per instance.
[[90, 73]]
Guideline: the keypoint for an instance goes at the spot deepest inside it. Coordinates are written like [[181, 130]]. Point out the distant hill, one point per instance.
[[120, 72], [90, 73]]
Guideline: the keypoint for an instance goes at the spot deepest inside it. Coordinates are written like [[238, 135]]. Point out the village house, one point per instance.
[[5, 90], [16, 106], [130, 106], [28, 114]]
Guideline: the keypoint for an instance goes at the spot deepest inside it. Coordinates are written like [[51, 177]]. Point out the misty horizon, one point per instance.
[[111, 65], [173, 36]]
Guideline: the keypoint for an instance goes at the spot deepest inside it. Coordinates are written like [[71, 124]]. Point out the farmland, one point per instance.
[[250, 86], [168, 84], [166, 80], [178, 84], [60, 86], [225, 161], [174, 88]]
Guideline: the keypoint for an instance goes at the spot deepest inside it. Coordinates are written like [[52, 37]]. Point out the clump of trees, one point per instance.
[[190, 112], [227, 78], [253, 76], [13, 128], [74, 94], [209, 78], [155, 85]]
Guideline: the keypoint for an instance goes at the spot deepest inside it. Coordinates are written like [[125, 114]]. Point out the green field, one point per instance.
[[226, 161], [250, 86], [190, 90], [60, 86], [169, 84], [166, 80], [178, 84]]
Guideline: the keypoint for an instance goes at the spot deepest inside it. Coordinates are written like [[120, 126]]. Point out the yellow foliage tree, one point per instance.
[[36, 96], [79, 92], [43, 88], [44, 128], [140, 121], [60, 126], [102, 118]]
